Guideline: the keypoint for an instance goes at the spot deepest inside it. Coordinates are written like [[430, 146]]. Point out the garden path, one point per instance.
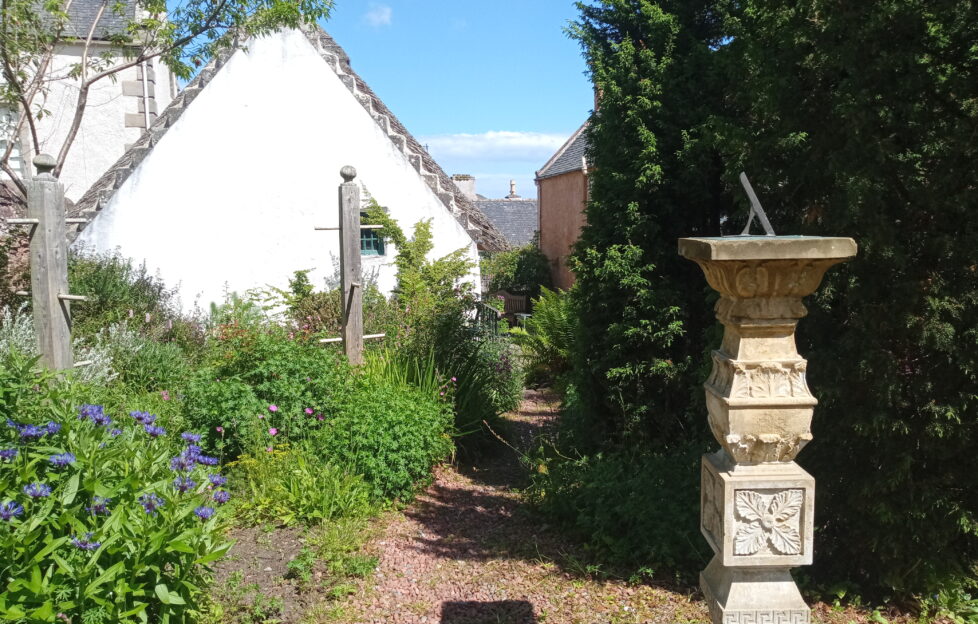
[[468, 551]]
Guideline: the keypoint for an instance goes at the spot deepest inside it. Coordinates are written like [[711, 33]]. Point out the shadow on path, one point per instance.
[[499, 612]]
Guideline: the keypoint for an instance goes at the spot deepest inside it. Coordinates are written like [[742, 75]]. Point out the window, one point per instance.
[[371, 244]]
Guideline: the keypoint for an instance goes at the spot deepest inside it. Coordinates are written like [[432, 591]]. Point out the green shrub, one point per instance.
[[547, 338], [634, 509], [288, 485], [142, 362], [92, 524], [390, 434], [225, 408], [523, 270]]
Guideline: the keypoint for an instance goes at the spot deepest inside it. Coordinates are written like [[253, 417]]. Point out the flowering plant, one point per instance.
[[102, 518]]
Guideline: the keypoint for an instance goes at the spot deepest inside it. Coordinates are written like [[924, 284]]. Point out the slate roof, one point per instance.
[[82, 13], [518, 219], [479, 227], [570, 157]]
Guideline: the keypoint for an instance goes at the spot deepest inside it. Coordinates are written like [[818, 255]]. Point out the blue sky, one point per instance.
[[492, 87]]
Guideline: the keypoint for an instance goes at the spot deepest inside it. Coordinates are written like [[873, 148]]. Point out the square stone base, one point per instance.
[[757, 515], [752, 596]]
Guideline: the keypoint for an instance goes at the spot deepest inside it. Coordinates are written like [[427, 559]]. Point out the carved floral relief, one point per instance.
[[768, 521]]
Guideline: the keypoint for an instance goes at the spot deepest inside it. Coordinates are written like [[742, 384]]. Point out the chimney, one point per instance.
[[466, 184], [512, 191]]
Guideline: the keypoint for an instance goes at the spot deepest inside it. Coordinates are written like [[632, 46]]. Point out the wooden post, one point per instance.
[[49, 266], [351, 284]]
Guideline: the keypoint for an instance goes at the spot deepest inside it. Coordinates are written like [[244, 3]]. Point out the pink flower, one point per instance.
[[273, 431], [268, 449], [219, 429], [165, 394], [320, 417], [453, 379], [441, 393], [273, 408], [261, 416], [309, 410]]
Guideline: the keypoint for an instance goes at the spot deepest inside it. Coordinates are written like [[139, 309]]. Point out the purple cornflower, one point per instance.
[[143, 418], [31, 431], [217, 479], [190, 437], [154, 431], [150, 502], [87, 412], [63, 459], [52, 428], [115, 432], [183, 463], [183, 484], [37, 490], [86, 544], [99, 506], [8, 453], [204, 513], [222, 496], [10, 510], [207, 460], [193, 451]]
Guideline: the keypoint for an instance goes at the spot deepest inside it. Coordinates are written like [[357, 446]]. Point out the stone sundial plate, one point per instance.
[[767, 248]]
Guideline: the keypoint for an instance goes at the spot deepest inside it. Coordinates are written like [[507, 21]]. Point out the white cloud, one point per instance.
[[495, 145], [378, 15]]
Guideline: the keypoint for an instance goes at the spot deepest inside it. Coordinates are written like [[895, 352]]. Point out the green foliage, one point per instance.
[[225, 409], [390, 434], [321, 313], [76, 538], [547, 337], [523, 270], [142, 363], [287, 485], [435, 310], [849, 122]]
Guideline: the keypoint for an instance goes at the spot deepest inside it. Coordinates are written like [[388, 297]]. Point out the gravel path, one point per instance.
[[468, 552]]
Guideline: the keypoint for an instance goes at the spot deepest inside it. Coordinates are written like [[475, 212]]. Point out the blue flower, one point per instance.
[[183, 484], [150, 502], [99, 506], [10, 510], [9, 454], [86, 544], [207, 460], [182, 463], [37, 490], [193, 451], [222, 496], [115, 432], [154, 431], [204, 513], [143, 418], [191, 437], [52, 428], [94, 413], [62, 460]]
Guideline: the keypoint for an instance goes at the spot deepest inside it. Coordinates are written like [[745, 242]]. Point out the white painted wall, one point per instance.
[[103, 136], [229, 197]]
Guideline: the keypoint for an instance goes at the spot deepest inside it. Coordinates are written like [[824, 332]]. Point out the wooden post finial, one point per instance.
[[348, 173], [45, 163]]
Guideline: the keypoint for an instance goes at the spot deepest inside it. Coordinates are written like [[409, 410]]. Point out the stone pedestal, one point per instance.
[[757, 504]]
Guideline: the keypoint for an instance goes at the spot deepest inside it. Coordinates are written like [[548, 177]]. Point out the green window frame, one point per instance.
[[371, 243]]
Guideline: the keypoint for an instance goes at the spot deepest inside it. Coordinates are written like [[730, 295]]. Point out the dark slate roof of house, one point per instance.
[[571, 156], [479, 227], [82, 13], [518, 219]]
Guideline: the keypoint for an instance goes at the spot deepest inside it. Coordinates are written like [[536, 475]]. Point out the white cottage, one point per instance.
[[224, 191]]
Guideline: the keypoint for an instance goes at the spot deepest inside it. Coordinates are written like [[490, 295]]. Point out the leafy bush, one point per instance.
[[116, 291], [225, 408], [547, 337], [288, 485], [523, 270], [141, 362], [92, 522], [390, 434]]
